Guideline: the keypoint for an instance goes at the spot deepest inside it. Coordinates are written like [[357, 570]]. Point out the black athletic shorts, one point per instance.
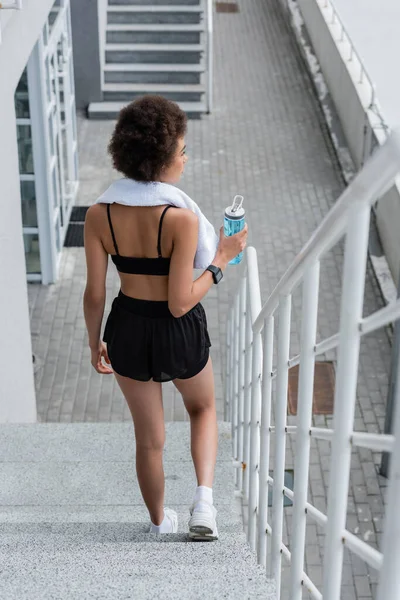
[[145, 341]]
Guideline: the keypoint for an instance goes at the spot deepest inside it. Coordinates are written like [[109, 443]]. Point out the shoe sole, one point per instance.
[[203, 537], [202, 532]]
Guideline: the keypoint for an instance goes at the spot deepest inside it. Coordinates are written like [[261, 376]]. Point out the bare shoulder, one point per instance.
[[95, 213], [185, 218]]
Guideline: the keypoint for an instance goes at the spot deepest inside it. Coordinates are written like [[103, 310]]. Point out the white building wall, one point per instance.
[[20, 30], [351, 95]]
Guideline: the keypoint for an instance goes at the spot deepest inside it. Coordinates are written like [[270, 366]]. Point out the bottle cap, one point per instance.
[[235, 211]]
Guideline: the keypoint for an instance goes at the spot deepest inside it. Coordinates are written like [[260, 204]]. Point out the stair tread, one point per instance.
[[111, 106], [153, 87], [153, 47], [189, 67], [155, 8], [161, 27]]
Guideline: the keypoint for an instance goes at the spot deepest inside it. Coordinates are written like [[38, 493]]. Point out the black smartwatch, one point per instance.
[[216, 273]]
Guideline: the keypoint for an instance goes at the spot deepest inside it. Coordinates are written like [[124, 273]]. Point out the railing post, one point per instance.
[[254, 438], [304, 420], [227, 368], [242, 331], [345, 393], [280, 437], [265, 440], [247, 398], [235, 372], [231, 364], [389, 582], [255, 309]]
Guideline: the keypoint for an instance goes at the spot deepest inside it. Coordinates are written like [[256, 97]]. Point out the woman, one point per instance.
[[157, 328]]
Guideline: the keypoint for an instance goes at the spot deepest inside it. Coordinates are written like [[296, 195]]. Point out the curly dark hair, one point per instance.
[[145, 137]]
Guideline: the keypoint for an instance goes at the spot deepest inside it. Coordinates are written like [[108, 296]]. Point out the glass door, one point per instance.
[[61, 116]]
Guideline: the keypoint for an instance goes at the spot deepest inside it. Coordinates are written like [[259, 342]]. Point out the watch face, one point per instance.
[[218, 276]]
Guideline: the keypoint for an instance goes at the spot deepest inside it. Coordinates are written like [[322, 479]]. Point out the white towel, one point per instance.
[[136, 193]]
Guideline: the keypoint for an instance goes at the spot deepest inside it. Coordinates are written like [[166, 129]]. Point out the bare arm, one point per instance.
[[183, 292], [95, 292]]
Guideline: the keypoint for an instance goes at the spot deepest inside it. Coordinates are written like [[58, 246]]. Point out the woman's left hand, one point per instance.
[[97, 355]]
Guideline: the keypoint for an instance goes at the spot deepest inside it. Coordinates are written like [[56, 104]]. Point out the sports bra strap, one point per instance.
[[160, 229], [111, 229]]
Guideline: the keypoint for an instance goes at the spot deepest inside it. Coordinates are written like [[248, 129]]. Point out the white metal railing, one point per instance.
[[249, 396], [210, 55]]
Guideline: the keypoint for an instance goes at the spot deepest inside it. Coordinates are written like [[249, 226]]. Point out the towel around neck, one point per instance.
[[137, 193]]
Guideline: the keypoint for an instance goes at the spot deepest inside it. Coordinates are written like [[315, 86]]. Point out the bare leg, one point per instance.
[[199, 398], [145, 403]]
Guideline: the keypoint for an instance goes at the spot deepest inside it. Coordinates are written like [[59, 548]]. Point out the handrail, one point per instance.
[[365, 188], [250, 399], [210, 58]]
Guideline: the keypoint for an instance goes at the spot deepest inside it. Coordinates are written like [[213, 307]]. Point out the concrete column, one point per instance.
[[86, 49], [17, 390]]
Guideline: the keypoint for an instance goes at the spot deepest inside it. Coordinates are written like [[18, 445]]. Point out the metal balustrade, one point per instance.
[[249, 399]]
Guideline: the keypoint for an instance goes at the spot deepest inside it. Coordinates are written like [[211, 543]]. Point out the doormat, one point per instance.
[[226, 7], [78, 213], [324, 389], [74, 236]]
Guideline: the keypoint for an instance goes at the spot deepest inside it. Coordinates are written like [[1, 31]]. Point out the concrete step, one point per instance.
[[110, 110], [154, 14], [73, 525], [147, 73], [154, 2], [154, 34], [154, 53], [121, 566], [129, 91]]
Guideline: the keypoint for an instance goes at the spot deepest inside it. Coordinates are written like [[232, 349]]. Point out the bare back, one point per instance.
[[136, 231]]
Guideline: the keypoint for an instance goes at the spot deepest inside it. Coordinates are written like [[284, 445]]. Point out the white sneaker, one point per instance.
[[202, 523], [172, 517]]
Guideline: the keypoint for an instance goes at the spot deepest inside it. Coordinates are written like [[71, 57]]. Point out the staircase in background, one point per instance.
[[154, 47]]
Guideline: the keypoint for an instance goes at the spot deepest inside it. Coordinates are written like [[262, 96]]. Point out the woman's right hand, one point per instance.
[[231, 246]]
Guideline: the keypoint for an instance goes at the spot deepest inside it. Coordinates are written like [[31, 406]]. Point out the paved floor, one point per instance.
[[265, 139]]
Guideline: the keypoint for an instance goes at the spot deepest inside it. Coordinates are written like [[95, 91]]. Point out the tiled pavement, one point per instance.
[[265, 139]]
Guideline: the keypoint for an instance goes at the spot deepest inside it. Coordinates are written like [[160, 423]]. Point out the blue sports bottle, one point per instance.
[[234, 222]]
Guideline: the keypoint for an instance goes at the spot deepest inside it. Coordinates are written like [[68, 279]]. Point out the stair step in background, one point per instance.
[[153, 53], [147, 73], [154, 34], [154, 2], [153, 48], [73, 525], [129, 91], [154, 14], [110, 110]]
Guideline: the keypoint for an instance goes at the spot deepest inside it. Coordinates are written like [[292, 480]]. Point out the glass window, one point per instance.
[[32, 253], [22, 97], [28, 201], [47, 77], [53, 14], [24, 134], [54, 186], [51, 134], [58, 239]]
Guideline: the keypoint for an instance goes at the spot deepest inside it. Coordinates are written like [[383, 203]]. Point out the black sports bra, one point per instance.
[[140, 266]]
